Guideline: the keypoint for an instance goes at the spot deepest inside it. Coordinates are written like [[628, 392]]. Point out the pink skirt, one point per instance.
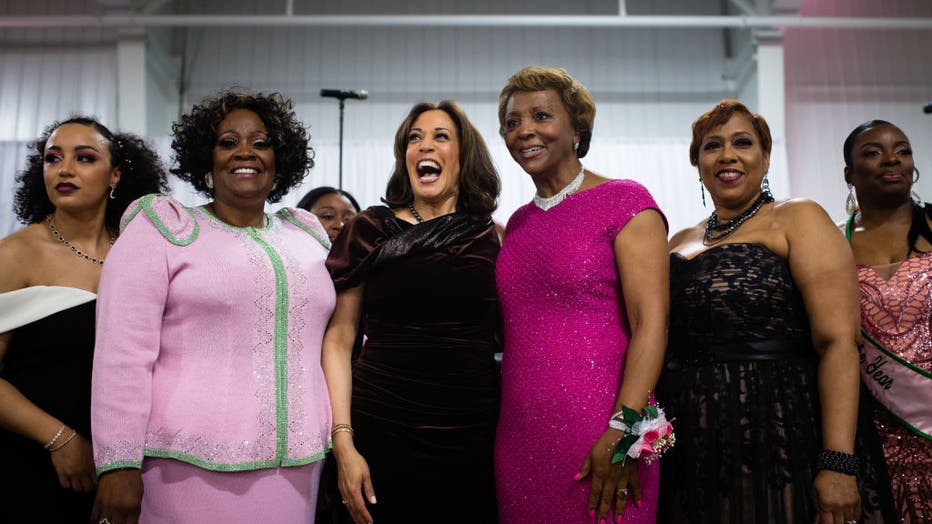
[[179, 493]]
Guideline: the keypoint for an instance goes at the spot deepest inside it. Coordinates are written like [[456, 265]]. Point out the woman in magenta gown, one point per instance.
[[582, 278]]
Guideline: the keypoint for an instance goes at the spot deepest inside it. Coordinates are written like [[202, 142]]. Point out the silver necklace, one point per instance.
[[75, 250], [572, 187]]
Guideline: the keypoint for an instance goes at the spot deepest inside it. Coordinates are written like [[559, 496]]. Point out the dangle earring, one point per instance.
[[851, 203], [765, 186], [702, 190], [913, 194], [209, 180], [113, 192]]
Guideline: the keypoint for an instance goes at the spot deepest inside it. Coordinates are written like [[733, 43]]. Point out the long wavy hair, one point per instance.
[[479, 181]]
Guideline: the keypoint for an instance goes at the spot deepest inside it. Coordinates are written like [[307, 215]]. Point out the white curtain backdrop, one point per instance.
[[661, 165]]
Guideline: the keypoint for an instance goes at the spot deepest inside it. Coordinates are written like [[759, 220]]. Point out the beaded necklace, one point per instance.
[[414, 212], [74, 249], [546, 203], [715, 231]]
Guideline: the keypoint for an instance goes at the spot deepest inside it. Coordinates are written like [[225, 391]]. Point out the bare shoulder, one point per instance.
[[686, 237], [800, 207], [803, 213], [18, 253]]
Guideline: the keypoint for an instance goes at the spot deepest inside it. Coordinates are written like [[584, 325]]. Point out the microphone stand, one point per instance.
[[342, 106]]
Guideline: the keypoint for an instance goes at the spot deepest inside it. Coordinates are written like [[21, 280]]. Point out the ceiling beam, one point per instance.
[[590, 21]]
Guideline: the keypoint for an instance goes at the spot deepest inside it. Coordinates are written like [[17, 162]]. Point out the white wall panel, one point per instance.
[[41, 85], [857, 76]]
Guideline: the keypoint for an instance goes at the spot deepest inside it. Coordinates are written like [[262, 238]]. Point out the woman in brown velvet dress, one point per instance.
[[423, 396]]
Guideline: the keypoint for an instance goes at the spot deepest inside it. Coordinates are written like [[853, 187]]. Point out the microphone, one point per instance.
[[927, 109], [362, 94]]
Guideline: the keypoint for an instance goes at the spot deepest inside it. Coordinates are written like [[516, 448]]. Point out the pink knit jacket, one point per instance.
[[208, 341]]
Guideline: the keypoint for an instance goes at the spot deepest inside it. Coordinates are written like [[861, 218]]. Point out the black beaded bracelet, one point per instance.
[[838, 461]]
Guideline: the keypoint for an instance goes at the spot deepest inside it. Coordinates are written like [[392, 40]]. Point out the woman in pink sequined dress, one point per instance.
[[892, 244], [582, 278]]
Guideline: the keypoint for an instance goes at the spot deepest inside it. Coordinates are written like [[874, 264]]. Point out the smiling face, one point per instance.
[[539, 133], [881, 164], [432, 157], [732, 163], [77, 169], [244, 160], [333, 210]]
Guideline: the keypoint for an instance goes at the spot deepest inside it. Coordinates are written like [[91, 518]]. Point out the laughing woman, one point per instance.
[[418, 410], [79, 179]]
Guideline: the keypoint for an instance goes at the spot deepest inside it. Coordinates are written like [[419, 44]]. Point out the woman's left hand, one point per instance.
[[74, 465], [611, 483], [836, 498]]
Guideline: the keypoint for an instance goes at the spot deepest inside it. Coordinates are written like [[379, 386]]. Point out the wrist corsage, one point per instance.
[[647, 434]]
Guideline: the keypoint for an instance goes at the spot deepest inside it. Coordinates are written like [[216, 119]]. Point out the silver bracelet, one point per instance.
[[55, 438], [66, 441], [617, 422]]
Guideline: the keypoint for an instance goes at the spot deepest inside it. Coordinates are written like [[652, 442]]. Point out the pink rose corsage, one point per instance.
[[647, 434]]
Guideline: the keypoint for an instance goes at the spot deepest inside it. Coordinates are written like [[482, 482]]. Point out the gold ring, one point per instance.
[[623, 491], [344, 501]]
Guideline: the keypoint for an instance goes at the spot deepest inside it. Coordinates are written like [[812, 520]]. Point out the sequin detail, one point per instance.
[[292, 288], [897, 313], [566, 333]]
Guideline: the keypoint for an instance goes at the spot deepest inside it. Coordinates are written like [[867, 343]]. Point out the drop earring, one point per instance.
[[851, 203]]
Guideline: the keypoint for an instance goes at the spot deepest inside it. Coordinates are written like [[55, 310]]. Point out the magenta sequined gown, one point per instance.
[[897, 313], [566, 333]]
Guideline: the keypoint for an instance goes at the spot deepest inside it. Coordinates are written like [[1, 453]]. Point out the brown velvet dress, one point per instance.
[[425, 387]]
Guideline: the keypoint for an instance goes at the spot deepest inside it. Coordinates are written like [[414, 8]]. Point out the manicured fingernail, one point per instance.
[[592, 513], [577, 476], [602, 521], [618, 519], [372, 499], [637, 504]]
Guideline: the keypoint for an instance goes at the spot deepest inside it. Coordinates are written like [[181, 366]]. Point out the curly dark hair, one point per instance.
[[196, 135], [479, 181], [141, 173]]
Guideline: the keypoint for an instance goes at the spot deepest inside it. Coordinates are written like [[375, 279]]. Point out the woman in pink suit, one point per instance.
[[582, 279], [208, 400]]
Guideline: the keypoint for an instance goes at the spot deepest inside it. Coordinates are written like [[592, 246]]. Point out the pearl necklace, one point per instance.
[[546, 203], [75, 250], [715, 231]]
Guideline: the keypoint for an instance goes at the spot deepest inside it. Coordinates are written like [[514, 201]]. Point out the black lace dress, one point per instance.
[[740, 382]]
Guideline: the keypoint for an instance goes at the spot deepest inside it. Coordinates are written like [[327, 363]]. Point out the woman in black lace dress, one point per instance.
[[761, 375]]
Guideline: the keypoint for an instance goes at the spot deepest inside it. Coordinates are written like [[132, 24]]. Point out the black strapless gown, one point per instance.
[[741, 382], [49, 361]]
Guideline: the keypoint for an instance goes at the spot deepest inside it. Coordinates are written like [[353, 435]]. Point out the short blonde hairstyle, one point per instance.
[[576, 98]]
